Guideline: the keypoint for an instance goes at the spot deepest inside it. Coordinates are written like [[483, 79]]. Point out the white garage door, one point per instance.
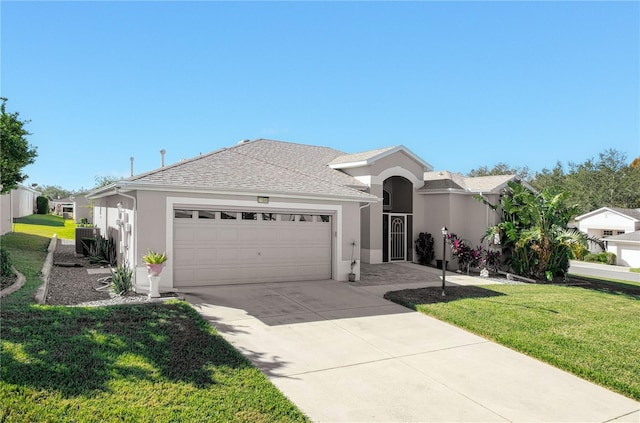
[[214, 247]]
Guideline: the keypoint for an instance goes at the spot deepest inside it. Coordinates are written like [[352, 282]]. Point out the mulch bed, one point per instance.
[[432, 295]]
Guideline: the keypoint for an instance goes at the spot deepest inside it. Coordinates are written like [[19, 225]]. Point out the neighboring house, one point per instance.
[[63, 207], [608, 221], [18, 202], [76, 206], [626, 247], [268, 210]]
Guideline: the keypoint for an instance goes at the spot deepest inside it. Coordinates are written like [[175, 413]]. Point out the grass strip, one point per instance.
[[590, 333], [143, 363], [45, 225]]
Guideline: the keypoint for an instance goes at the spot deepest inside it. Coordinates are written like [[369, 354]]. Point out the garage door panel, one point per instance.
[[206, 233], [212, 252], [226, 234]]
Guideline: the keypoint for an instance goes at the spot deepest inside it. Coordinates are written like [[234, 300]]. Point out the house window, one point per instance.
[[206, 214], [386, 200], [249, 216], [228, 215], [607, 232], [183, 214]]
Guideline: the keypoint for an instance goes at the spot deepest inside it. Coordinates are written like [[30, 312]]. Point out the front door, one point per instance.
[[397, 237]]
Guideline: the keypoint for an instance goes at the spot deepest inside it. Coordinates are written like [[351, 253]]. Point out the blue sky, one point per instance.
[[461, 84]]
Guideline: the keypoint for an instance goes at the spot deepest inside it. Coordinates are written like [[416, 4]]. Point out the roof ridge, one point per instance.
[[296, 170]]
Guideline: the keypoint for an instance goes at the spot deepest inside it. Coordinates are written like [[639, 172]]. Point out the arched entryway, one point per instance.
[[397, 219]]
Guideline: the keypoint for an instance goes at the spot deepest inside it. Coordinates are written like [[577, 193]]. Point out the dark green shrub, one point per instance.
[[5, 263], [604, 257], [610, 258], [424, 248], [100, 250], [590, 257], [121, 279], [42, 205]]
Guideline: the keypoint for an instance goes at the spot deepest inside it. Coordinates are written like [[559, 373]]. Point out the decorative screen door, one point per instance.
[[397, 242]]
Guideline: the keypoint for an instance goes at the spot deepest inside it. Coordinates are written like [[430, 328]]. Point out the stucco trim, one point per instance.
[[372, 160], [337, 265], [398, 171]]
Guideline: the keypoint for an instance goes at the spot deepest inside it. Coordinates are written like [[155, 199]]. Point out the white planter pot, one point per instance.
[[154, 286]]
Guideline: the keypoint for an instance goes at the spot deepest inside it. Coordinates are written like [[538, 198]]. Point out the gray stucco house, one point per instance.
[[269, 210]]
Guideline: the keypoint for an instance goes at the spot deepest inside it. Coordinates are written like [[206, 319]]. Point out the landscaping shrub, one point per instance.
[[604, 257], [121, 279], [610, 258], [424, 248], [5, 263], [42, 205]]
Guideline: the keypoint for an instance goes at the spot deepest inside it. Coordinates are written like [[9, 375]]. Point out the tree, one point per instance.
[[15, 150], [533, 231], [104, 180], [635, 162], [604, 182], [53, 192], [501, 169], [552, 179]]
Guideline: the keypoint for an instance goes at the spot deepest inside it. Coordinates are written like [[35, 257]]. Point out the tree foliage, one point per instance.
[[104, 180], [501, 169], [604, 182], [15, 150], [54, 192], [533, 231]]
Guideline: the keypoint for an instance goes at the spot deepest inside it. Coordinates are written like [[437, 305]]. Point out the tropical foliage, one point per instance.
[[153, 257], [469, 257], [533, 232]]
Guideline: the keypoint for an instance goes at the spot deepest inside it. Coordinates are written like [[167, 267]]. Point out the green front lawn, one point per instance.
[[592, 334], [152, 362], [45, 225]]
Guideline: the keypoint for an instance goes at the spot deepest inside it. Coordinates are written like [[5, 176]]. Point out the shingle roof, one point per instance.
[[359, 157], [366, 158], [629, 236], [634, 213], [440, 180], [262, 166]]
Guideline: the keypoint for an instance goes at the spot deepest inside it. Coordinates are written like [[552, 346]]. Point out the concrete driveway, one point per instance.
[[344, 354]]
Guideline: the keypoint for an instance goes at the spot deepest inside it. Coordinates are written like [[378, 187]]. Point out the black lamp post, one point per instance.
[[444, 255]]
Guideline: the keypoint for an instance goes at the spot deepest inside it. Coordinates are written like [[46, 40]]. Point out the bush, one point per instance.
[[42, 205], [424, 248], [5, 263], [610, 258], [604, 257], [121, 279]]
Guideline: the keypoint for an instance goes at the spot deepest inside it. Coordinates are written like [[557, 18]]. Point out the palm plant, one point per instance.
[[533, 232]]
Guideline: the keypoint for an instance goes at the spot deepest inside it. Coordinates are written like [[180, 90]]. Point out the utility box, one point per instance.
[[85, 233]]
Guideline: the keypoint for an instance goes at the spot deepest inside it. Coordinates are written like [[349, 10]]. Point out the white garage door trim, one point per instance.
[[178, 202]]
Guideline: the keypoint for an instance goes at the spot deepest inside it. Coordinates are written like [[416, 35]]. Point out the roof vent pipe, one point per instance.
[[162, 153], [131, 158], [243, 141]]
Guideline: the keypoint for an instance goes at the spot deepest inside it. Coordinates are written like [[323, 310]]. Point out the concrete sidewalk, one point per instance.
[[344, 354]]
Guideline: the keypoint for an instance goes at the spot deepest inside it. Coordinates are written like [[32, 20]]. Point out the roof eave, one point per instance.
[[126, 186]]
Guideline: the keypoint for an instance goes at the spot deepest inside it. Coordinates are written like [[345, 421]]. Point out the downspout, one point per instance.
[[135, 226]]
